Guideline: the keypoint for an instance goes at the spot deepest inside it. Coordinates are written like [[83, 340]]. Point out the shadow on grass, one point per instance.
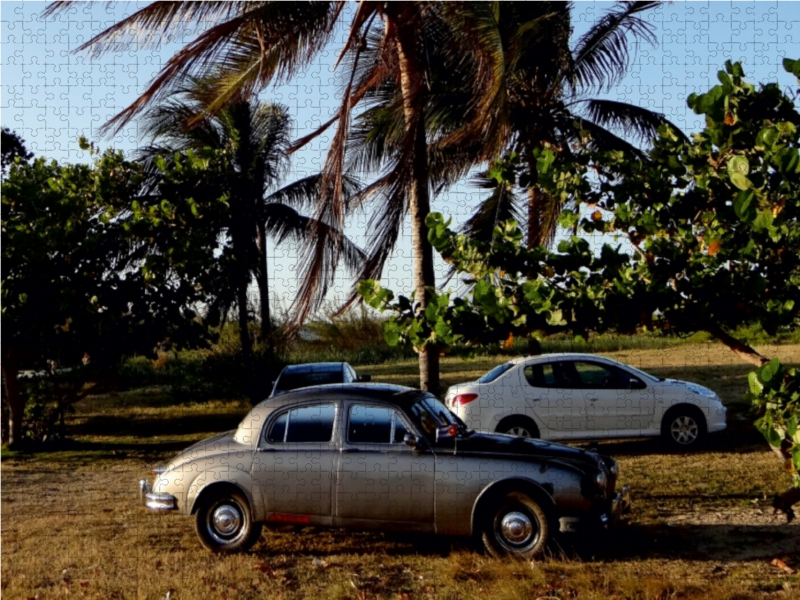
[[173, 425], [700, 542]]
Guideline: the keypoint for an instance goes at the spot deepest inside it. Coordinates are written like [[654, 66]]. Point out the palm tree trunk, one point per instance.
[[419, 198], [534, 228], [10, 368], [262, 280]]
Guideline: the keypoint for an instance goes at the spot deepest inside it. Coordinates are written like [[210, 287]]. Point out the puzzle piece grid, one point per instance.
[[51, 95]]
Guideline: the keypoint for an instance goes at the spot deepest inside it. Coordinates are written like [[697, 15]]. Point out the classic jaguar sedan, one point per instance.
[[584, 396], [375, 456]]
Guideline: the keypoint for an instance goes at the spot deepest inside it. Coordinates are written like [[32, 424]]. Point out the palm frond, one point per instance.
[[268, 43], [304, 193], [500, 205], [602, 55], [282, 222], [635, 121], [147, 27], [601, 138]]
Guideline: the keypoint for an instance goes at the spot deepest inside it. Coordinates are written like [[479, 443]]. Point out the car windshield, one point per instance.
[[431, 415], [496, 372], [292, 381], [643, 374]]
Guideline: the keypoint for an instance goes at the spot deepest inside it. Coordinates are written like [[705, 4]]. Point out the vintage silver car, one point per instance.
[[374, 456]]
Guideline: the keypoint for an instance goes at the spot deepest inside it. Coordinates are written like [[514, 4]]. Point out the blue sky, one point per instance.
[[51, 96]]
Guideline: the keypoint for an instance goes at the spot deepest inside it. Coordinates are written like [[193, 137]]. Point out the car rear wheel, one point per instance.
[[683, 427], [223, 522], [516, 525], [518, 426]]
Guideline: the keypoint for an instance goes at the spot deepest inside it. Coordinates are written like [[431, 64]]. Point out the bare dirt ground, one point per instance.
[[701, 526]]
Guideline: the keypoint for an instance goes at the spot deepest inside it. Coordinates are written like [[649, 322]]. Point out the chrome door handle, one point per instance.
[[349, 450], [593, 399]]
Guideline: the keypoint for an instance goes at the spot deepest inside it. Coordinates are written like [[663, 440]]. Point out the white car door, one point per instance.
[[556, 398], [616, 401]]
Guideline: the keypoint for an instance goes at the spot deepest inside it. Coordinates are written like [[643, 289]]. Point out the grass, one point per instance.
[[701, 525]]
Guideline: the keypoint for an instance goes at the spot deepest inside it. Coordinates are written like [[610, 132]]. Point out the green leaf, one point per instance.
[[763, 220], [756, 387], [769, 370], [774, 437], [738, 164], [391, 332], [740, 181], [743, 205], [792, 66], [791, 425]]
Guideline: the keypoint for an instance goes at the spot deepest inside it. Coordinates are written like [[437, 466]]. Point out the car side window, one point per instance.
[[307, 424], [595, 376], [374, 425], [540, 375]]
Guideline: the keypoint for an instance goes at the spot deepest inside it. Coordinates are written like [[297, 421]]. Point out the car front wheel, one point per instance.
[[516, 526], [223, 522], [683, 427]]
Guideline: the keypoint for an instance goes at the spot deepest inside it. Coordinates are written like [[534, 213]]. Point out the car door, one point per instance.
[[293, 467], [616, 401], [379, 477], [554, 393]]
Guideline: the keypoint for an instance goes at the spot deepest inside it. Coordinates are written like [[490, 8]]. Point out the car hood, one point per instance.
[[480, 442], [222, 443], [676, 385]]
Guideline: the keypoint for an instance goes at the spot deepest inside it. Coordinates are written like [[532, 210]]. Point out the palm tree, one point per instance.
[[255, 43], [508, 88], [255, 135], [542, 88]]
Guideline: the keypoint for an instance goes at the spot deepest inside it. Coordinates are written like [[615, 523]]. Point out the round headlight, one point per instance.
[[601, 480], [614, 469]]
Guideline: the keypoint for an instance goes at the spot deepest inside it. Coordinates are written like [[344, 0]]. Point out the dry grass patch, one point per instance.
[[701, 525]]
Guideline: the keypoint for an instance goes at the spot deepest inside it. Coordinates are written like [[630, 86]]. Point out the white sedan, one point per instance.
[[582, 396]]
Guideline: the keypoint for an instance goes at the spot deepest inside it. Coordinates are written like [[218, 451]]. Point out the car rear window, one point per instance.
[[495, 373], [304, 425]]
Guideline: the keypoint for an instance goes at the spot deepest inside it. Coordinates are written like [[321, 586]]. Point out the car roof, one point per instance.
[[562, 355], [325, 367], [388, 392]]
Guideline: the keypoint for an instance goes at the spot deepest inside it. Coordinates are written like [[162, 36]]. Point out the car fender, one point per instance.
[[236, 477], [542, 493]]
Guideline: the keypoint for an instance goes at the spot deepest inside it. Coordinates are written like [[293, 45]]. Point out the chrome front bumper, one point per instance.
[[155, 500], [620, 505]]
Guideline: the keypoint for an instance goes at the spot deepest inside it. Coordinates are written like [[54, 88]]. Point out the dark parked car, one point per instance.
[[306, 375], [373, 456]]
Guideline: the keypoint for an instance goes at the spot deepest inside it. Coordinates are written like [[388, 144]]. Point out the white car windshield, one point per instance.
[[642, 373]]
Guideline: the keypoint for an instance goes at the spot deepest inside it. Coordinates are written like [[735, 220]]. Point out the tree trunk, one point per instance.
[[16, 407], [262, 280], [404, 31], [741, 349], [534, 227], [784, 501]]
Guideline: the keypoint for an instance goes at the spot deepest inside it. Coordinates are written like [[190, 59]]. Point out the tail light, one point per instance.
[[462, 399]]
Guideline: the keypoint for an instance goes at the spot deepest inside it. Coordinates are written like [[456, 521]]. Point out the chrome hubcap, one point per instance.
[[684, 430], [226, 520], [516, 527]]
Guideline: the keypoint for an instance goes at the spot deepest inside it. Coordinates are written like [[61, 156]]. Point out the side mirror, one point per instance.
[[410, 440], [364, 378], [635, 384]]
